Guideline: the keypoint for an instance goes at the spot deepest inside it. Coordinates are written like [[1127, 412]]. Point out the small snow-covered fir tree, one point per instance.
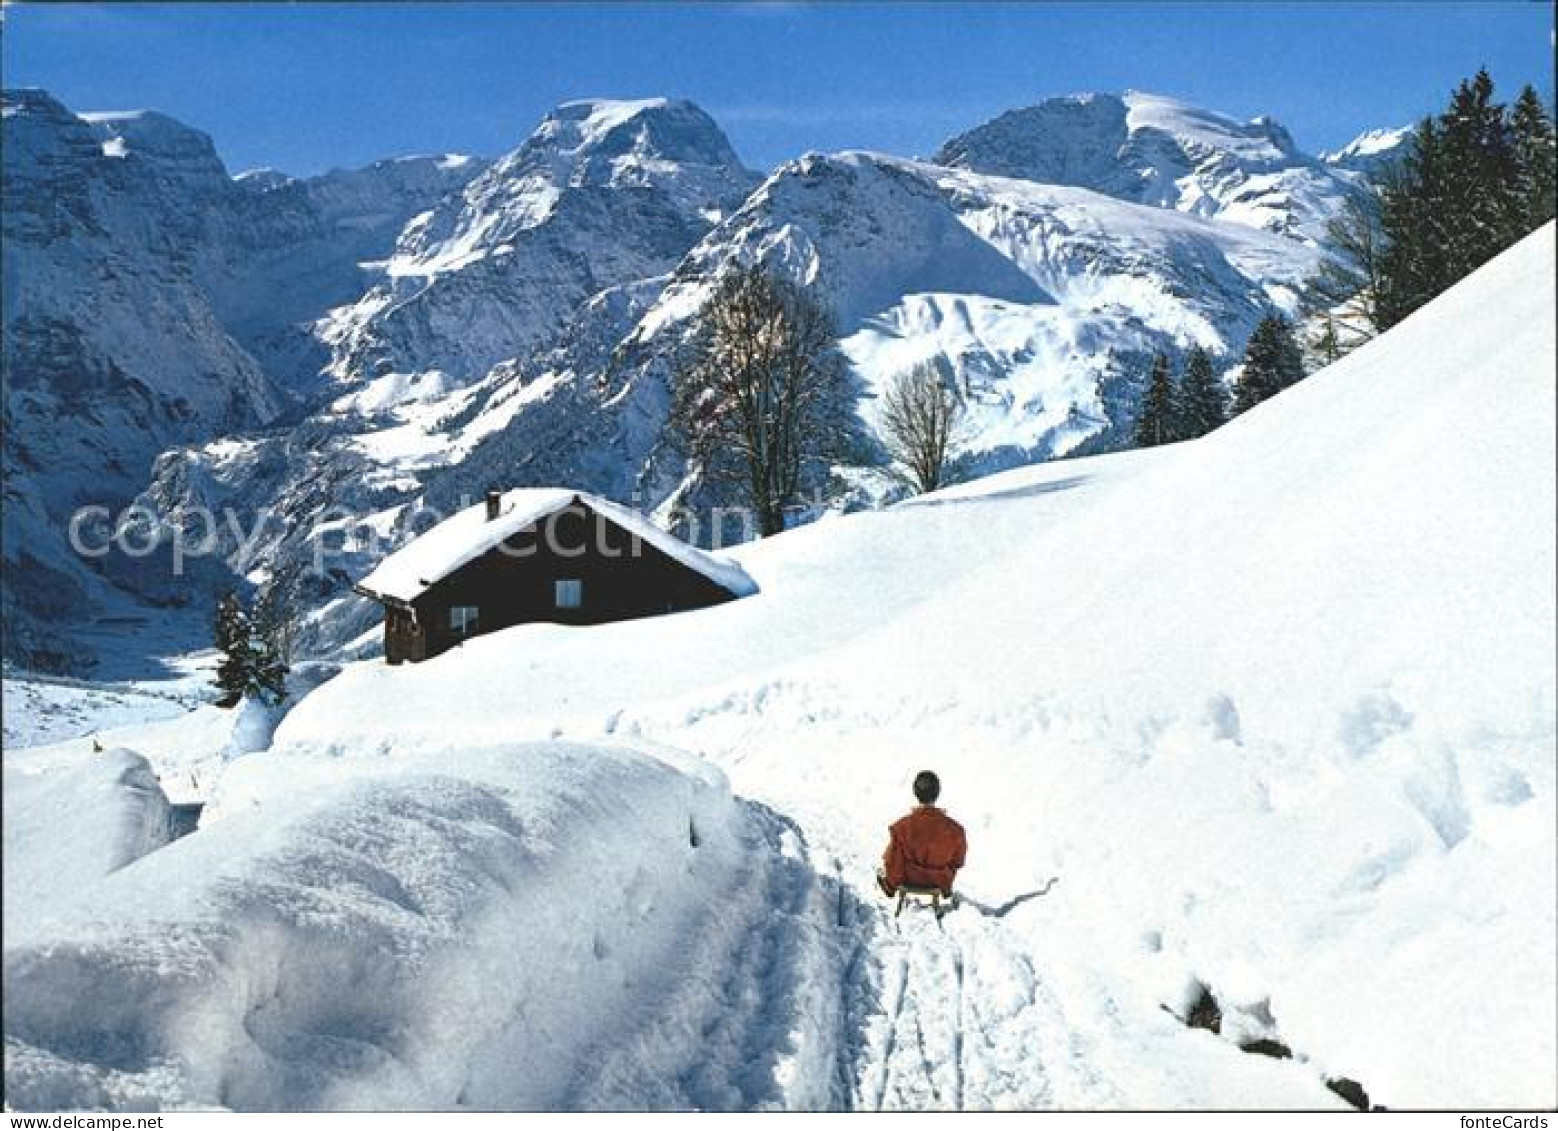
[[231, 633], [1201, 402], [1156, 424], [253, 662], [274, 626]]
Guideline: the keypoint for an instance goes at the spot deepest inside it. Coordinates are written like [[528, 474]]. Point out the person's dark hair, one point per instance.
[[927, 787]]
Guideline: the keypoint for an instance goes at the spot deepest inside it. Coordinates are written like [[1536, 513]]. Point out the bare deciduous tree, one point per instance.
[[920, 415], [1351, 277], [761, 395]]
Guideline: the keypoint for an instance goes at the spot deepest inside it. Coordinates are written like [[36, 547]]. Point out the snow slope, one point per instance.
[[39, 711], [1276, 706], [1042, 304]]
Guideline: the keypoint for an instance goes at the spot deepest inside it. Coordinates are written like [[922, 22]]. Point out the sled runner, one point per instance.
[[925, 895]]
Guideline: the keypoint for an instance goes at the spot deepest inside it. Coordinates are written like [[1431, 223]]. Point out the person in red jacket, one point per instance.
[[926, 848]]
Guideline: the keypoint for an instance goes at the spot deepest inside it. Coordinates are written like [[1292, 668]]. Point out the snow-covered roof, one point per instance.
[[409, 572]]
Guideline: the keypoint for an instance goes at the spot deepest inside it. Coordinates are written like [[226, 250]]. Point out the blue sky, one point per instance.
[[304, 87]]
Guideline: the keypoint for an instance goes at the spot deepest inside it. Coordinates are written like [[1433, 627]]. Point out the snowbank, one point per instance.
[[69, 825], [187, 752], [485, 927]]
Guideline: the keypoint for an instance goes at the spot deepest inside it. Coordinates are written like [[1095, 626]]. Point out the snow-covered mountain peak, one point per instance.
[[177, 149], [1153, 149], [263, 180], [21, 101], [1367, 143], [1371, 151], [1261, 141], [42, 136], [651, 143], [666, 145]]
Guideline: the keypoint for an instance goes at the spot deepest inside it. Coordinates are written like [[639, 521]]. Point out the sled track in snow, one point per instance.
[[957, 1016]]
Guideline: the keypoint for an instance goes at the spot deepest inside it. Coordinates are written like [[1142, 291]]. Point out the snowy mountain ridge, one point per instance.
[[430, 326], [150, 302], [1160, 151], [602, 193]]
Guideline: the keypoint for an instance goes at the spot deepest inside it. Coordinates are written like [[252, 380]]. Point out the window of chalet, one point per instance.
[[570, 592], [463, 618]]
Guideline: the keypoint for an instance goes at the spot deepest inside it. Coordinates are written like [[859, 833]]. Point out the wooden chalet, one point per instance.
[[538, 555]]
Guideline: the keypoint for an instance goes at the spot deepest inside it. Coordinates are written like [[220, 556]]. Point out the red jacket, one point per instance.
[[926, 848]]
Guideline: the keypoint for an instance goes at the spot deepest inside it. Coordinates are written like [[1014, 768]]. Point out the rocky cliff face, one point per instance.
[[601, 194], [142, 288]]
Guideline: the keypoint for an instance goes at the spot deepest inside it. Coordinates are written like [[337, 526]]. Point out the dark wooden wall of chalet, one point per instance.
[[514, 583], [402, 640]]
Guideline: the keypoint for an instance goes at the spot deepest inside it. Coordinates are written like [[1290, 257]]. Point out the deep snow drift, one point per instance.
[[1276, 706], [507, 926]]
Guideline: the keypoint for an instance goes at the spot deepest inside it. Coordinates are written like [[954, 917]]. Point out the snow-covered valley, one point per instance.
[[1273, 708]]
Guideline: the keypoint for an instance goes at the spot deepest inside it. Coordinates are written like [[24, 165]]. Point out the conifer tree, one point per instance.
[[1532, 136], [1290, 355], [1272, 362], [1480, 190], [1414, 208], [253, 662], [1201, 403], [1156, 424], [274, 624], [1475, 180], [231, 633]]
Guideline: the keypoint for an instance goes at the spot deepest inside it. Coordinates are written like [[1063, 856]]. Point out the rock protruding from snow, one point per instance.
[[1159, 151]]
